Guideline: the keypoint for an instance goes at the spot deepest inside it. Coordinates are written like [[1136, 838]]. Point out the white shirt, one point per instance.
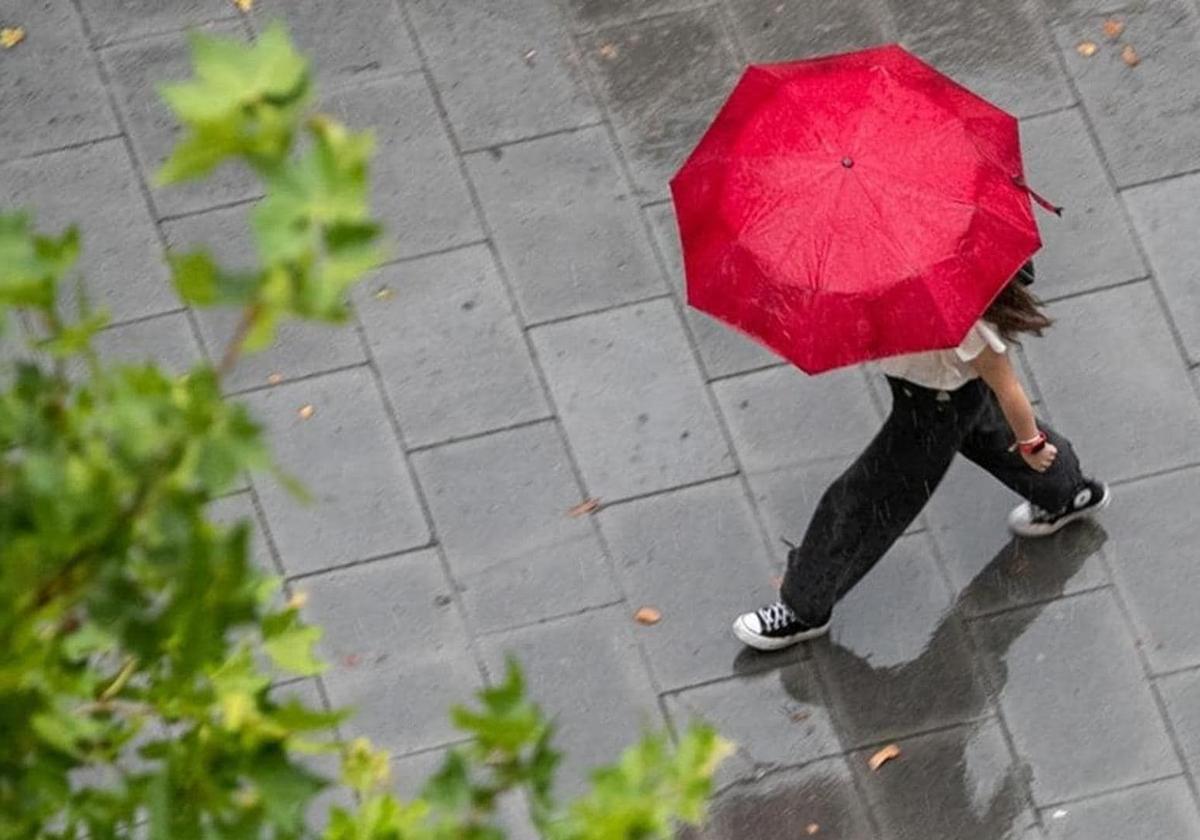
[[946, 370]]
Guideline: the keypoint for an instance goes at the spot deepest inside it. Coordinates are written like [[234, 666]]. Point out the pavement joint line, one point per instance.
[[1088, 797], [200, 211], [699, 5], [509, 427], [550, 619], [66, 147], [1162, 179], [436, 252], [1175, 672], [490, 148], [1125, 482], [291, 380], [139, 173], [664, 491], [100, 45], [454, 742], [722, 377], [300, 577], [1049, 112], [560, 319], [473, 636], [141, 319], [970, 722], [768, 665], [987, 615], [368, 78], [1095, 290]]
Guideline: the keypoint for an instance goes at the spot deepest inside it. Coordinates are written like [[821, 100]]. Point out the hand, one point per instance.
[[1041, 461]]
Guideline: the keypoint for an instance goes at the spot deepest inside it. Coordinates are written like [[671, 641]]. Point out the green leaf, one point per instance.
[[290, 643], [74, 338], [285, 789], [31, 266]]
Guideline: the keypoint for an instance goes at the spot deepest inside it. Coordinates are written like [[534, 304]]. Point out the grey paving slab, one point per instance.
[[1090, 245], [417, 187], [788, 30], [301, 348], [788, 497], [124, 20], [1162, 809], [449, 347], [662, 80], [587, 675], [632, 400], [696, 556], [564, 225], [959, 782], [505, 71], [894, 636], [396, 648], [1181, 694], [364, 503], [166, 340], [1165, 215], [1066, 9], [1115, 385], [1146, 117], [782, 416], [1073, 696], [999, 50], [723, 350], [787, 803], [345, 44], [50, 91], [499, 505], [136, 70], [992, 570], [1154, 567], [96, 187], [762, 716]]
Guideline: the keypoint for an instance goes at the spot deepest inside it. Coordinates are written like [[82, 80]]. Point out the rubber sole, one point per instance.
[[1033, 531], [759, 642]]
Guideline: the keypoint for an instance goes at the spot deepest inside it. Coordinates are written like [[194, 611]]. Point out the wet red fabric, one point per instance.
[[853, 207]]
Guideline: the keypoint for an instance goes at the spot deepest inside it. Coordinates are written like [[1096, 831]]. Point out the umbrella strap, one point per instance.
[[1053, 208]]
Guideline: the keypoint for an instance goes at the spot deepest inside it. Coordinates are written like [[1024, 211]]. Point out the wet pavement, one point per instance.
[[534, 352]]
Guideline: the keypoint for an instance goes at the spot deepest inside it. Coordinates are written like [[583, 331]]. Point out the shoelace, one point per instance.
[[775, 616]]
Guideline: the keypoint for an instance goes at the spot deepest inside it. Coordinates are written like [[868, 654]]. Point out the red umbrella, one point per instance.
[[853, 207]]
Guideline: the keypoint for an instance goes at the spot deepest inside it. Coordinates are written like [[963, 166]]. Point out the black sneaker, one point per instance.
[[774, 627], [1029, 520]]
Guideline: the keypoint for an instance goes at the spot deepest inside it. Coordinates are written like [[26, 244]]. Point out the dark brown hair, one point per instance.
[[1015, 311]]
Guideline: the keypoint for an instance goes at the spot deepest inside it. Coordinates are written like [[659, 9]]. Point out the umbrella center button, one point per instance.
[[847, 162]]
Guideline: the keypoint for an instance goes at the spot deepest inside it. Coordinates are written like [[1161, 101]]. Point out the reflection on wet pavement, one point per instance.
[[956, 778]]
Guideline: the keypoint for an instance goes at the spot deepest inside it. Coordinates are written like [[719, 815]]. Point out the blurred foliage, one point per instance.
[[137, 635]]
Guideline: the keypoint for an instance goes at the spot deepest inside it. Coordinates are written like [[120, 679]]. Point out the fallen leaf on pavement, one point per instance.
[[306, 411], [800, 717], [529, 57], [384, 294], [274, 378], [1129, 56], [298, 600], [585, 507], [1113, 27], [608, 51], [1087, 49], [647, 616], [10, 36], [884, 756], [811, 829], [244, 5]]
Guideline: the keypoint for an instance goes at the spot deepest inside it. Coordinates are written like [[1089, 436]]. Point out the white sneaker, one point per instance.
[[774, 627], [1029, 520]]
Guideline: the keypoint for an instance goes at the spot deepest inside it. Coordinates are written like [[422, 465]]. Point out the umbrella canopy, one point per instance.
[[853, 207]]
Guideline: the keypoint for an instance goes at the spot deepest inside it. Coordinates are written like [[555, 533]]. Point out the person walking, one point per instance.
[[967, 399]]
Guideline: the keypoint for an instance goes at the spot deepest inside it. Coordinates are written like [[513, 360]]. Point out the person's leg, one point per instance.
[[1057, 496], [866, 510]]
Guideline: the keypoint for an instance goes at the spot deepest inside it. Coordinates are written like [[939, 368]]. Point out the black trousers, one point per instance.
[[866, 510]]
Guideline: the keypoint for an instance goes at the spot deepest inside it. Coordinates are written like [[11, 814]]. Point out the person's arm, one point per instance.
[[997, 372]]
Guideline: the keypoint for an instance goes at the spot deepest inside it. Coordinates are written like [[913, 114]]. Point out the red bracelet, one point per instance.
[[1034, 446]]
